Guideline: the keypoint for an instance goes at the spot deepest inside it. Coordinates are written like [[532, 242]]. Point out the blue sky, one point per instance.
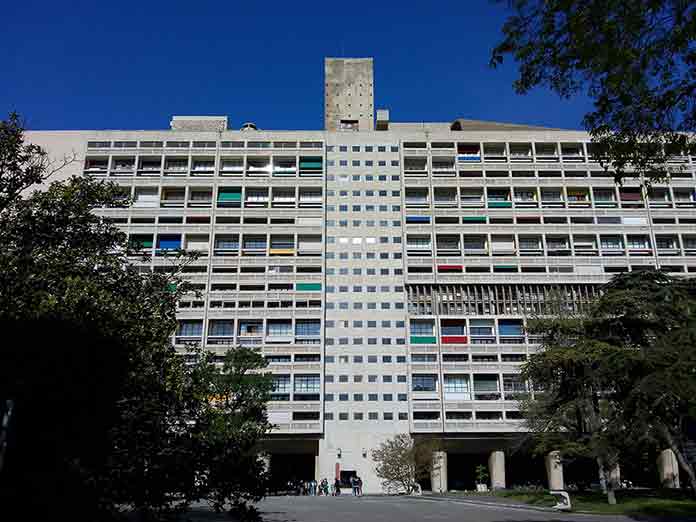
[[131, 65]]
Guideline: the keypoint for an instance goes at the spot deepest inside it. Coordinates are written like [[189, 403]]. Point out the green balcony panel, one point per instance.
[[500, 204], [142, 243], [229, 196], [417, 339], [310, 164], [474, 219], [308, 287]]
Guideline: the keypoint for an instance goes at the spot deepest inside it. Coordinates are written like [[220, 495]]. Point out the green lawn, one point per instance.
[[629, 502]]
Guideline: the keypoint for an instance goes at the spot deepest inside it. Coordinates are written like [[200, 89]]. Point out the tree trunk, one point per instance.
[[602, 475], [5, 419], [606, 481], [684, 463]]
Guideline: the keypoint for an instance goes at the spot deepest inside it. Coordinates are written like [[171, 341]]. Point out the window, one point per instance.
[[456, 384], [190, 329], [424, 383], [281, 384], [307, 383], [421, 327]]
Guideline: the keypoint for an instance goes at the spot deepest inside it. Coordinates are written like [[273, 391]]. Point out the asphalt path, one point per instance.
[[403, 509]]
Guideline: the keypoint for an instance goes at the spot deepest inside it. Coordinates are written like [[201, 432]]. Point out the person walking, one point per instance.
[[337, 488], [359, 484], [353, 485]]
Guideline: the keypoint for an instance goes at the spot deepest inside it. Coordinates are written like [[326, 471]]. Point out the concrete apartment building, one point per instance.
[[384, 269]]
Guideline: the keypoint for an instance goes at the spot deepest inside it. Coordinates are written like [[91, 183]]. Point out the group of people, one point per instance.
[[323, 488]]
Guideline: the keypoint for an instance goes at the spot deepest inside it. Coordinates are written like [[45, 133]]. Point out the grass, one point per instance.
[[640, 503]]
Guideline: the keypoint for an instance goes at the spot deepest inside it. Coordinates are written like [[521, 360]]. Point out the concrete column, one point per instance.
[[668, 469], [496, 468], [317, 470], [438, 473], [554, 470]]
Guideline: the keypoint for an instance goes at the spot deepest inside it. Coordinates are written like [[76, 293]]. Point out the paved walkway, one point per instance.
[[403, 509]]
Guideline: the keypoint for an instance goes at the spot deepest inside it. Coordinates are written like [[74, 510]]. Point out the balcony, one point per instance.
[[173, 198], [310, 198], [311, 165], [495, 153], [150, 166], [578, 198], [203, 167], [443, 167], [226, 246], [176, 166], [200, 198], [284, 167], [552, 199], [416, 198], [684, 199], [521, 152], [96, 166], [525, 199], [468, 153], [415, 167], [258, 167], [445, 198], [572, 153], [283, 198], [229, 166], [471, 198], [546, 152], [123, 165], [557, 248], [256, 198], [448, 246]]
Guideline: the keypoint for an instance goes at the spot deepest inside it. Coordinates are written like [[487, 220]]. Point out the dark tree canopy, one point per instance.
[[622, 375], [635, 59], [98, 412]]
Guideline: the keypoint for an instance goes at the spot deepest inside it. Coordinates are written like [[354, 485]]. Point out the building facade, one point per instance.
[[385, 270]]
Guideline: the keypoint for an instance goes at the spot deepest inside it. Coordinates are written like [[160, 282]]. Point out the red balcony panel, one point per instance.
[[455, 339], [450, 268]]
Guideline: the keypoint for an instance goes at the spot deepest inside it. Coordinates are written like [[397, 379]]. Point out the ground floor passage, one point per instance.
[[458, 464]]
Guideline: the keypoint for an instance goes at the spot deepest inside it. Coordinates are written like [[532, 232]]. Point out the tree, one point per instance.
[[22, 165], [573, 410], [99, 410], [653, 316], [619, 375], [402, 461], [636, 60]]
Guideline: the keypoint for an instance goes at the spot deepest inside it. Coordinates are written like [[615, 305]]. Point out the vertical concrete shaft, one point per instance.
[[438, 472], [668, 469], [554, 470], [496, 468]]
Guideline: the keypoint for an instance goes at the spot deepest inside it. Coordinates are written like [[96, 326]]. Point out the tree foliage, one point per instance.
[[402, 461], [102, 413], [622, 374], [636, 60]]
